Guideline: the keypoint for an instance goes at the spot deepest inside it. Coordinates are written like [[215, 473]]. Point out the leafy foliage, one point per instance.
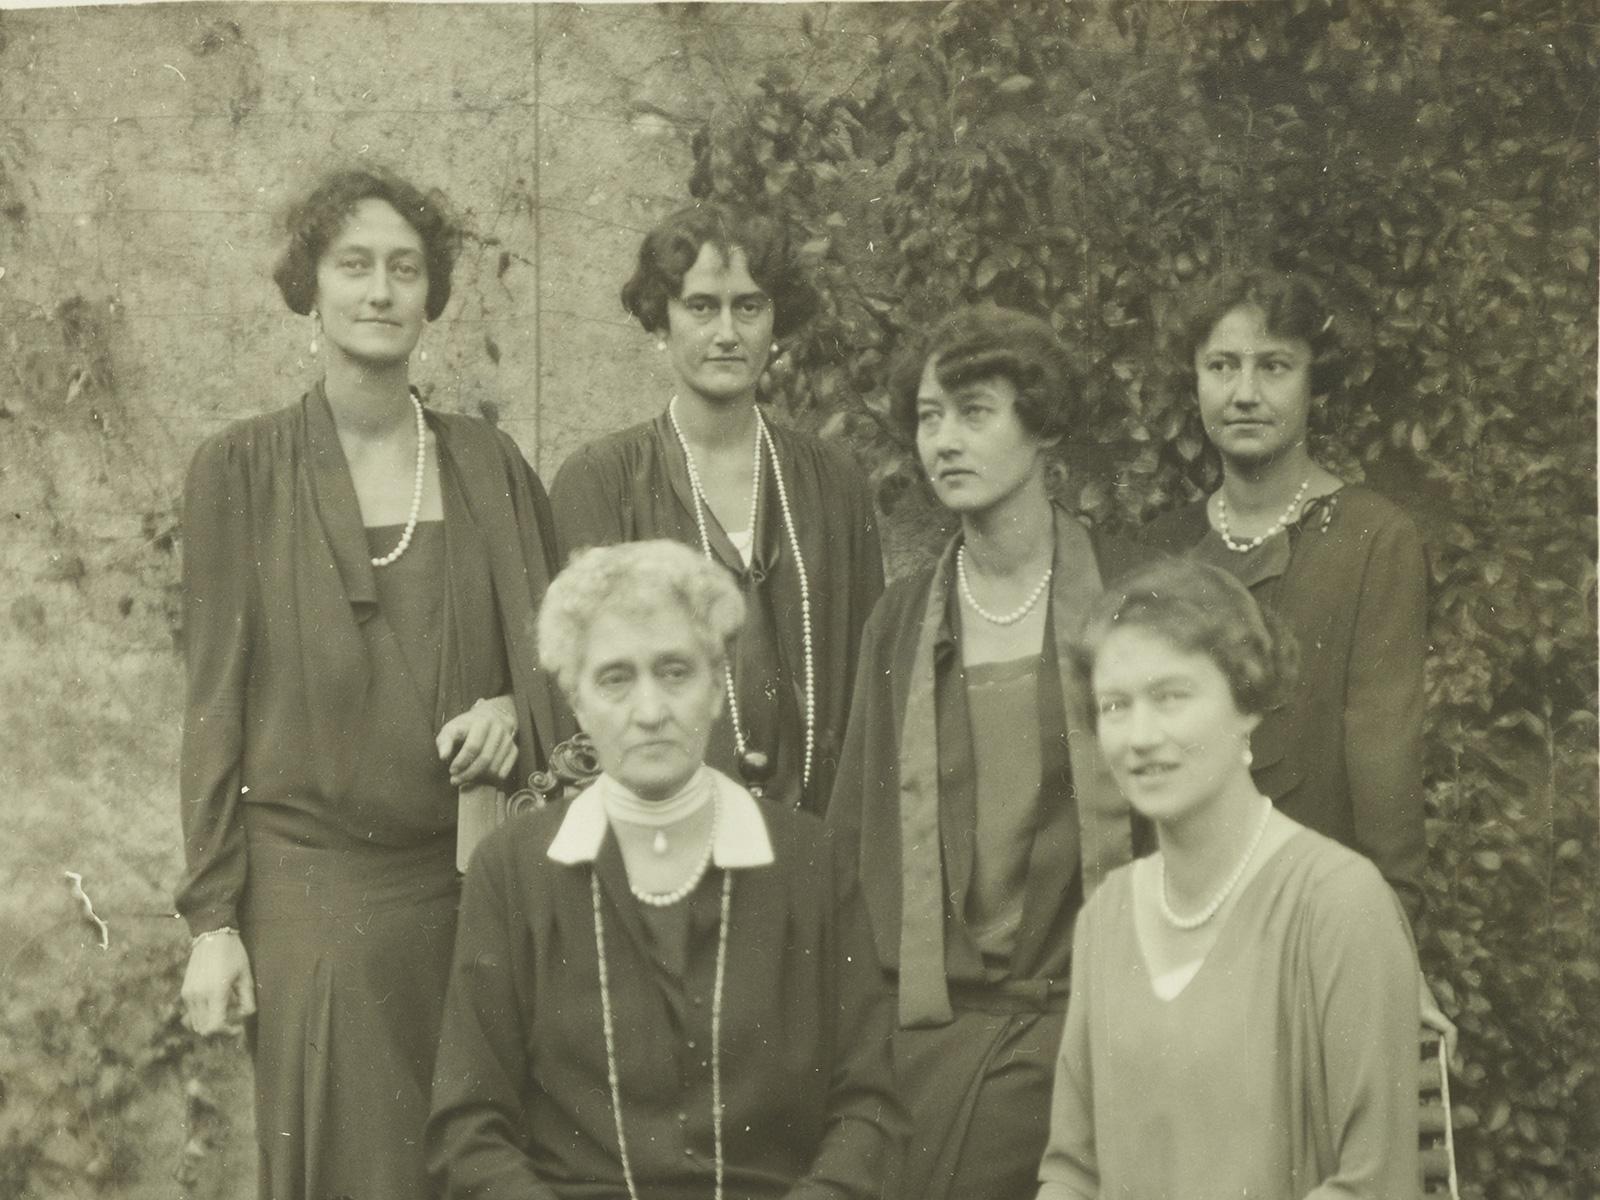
[[1434, 162]]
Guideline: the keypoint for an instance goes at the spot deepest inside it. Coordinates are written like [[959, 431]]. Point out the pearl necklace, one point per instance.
[[701, 506], [668, 899], [1010, 618], [1210, 910], [612, 1075], [1275, 528], [416, 488]]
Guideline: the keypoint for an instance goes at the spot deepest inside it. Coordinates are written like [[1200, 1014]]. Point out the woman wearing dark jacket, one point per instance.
[[971, 798], [360, 578]]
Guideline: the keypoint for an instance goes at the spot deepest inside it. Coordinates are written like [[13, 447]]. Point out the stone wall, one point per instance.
[[145, 156]]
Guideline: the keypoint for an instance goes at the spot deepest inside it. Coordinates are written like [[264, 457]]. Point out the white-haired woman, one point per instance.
[[659, 989]]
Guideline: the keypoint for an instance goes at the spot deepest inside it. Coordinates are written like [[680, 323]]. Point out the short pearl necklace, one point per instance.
[[621, 804], [1010, 618], [612, 1076], [668, 899], [1210, 910], [1271, 530], [701, 506], [416, 488]]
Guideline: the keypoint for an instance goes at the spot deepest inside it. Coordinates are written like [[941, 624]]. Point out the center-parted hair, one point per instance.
[[1200, 609], [315, 220], [1291, 306], [985, 341], [637, 579], [670, 249]]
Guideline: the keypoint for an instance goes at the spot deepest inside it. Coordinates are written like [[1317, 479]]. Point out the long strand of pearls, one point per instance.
[[1217, 901], [1241, 547], [701, 506], [416, 489], [612, 1074], [1010, 618]]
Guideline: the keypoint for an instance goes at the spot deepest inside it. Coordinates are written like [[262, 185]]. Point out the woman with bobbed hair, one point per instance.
[[788, 513], [664, 988], [970, 799], [1342, 566], [1243, 1015], [360, 580]]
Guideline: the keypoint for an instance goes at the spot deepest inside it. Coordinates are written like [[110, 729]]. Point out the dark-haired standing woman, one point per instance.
[[788, 513], [360, 576]]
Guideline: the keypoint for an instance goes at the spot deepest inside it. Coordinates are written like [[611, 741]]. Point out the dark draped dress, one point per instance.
[[634, 485], [981, 977], [318, 819]]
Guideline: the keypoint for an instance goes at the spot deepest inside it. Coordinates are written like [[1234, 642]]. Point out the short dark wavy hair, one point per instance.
[[1291, 304], [983, 341], [1200, 609], [670, 249], [315, 220]]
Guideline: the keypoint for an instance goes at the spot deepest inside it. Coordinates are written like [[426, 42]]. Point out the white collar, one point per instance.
[[742, 838]]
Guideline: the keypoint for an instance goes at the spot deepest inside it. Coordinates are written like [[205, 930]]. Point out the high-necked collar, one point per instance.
[[741, 839]]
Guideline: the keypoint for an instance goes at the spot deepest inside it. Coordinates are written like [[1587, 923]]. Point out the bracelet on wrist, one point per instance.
[[211, 933]]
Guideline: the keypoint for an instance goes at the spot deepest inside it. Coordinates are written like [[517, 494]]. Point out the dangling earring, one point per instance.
[[316, 330], [1245, 756], [776, 349], [661, 344], [422, 354]]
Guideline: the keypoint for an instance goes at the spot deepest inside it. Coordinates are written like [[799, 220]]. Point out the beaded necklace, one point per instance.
[[1244, 547], [1211, 909], [701, 507], [416, 488], [1010, 618], [612, 1076]]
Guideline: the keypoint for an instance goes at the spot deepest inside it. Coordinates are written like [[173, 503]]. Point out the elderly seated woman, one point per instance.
[[659, 990]]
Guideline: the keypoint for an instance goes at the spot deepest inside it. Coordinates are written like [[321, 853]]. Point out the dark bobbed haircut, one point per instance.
[[1291, 304], [315, 220], [669, 250], [1200, 609], [983, 341]]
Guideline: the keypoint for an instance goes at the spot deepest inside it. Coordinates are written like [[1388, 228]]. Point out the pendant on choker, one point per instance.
[[659, 843]]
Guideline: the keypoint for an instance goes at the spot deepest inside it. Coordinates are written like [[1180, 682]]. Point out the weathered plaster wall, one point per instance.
[[145, 153]]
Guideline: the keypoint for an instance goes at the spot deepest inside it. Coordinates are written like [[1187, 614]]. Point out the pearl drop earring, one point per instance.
[[1246, 756], [422, 354], [662, 344], [316, 328]]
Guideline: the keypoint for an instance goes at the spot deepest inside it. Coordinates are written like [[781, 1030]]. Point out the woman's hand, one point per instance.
[[483, 741], [219, 990], [1433, 1017]]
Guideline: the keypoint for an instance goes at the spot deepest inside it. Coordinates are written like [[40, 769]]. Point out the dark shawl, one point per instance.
[[634, 485], [910, 665], [284, 653], [1344, 754]]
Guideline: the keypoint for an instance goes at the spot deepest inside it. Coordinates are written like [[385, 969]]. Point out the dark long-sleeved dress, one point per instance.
[[522, 1096], [1344, 755], [977, 1036], [634, 485], [317, 816]]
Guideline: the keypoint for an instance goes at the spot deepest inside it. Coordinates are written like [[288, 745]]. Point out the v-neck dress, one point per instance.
[[1285, 1068], [634, 485], [318, 818]]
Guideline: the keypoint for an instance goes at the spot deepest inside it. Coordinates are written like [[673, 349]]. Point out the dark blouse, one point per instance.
[[522, 1100], [1344, 754], [634, 485], [300, 694]]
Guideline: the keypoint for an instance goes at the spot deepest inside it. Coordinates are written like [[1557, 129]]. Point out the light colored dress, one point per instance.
[[1284, 1069]]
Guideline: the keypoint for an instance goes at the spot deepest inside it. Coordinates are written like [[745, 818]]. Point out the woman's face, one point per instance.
[[372, 286], [648, 694], [1169, 727], [1254, 388], [719, 331], [972, 443]]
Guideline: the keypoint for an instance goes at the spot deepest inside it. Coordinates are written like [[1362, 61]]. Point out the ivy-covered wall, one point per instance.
[[145, 153], [1435, 162]]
